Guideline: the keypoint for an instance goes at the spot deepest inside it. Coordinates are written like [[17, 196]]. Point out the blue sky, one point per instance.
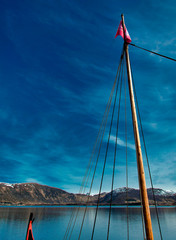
[[58, 62]]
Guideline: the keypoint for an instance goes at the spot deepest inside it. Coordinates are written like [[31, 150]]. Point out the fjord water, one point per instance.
[[51, 222]]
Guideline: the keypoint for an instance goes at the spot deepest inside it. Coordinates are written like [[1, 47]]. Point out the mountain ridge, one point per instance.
[[22, 194]]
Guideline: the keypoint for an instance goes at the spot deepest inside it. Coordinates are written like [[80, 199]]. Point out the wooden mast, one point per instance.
[[141, 175]]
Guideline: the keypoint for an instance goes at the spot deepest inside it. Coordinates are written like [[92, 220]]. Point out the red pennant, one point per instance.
[[120, 32]]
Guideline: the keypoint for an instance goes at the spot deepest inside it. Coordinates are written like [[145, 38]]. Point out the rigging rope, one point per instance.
[[92, 157], [148, 165], [107, 147], [98, 153], [114, 164], [158, 54], [85, 176]]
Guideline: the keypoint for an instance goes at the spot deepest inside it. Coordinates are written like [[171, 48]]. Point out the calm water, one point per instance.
[[51, 222]]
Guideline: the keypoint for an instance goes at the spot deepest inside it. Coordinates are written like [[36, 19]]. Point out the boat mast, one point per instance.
[[141, 175]]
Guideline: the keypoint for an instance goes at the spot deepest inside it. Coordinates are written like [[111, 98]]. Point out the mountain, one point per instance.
[[36, 194], [164, 198]]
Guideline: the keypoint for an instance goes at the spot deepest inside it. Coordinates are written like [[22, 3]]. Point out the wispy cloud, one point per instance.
[[122, 143]]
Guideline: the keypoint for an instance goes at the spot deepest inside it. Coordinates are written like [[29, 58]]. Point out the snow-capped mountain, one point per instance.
[[36, 194]]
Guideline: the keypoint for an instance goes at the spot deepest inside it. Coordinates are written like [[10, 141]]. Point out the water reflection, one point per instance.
[[51, 222]]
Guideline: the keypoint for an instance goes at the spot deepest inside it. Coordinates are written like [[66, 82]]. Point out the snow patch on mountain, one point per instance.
[[120, 190], [8, 184], [161, 192]]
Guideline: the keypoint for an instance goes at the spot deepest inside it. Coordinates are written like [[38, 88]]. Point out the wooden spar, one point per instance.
[[141, 175]]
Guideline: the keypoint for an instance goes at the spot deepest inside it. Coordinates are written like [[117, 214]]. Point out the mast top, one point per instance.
[[123, 25]]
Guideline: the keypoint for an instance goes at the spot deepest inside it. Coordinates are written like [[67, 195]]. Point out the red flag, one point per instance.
[[120, 32]]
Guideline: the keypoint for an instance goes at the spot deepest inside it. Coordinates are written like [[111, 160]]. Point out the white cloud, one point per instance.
[[122, 143]]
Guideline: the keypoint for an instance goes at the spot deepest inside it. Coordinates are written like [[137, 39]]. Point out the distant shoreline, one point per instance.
[[82, 206]]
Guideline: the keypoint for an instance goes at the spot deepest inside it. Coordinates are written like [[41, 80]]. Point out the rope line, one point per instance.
[[84, 179], [114, 164], [158, 54], [99, 153], [148, 165], [93, 175], [102, 134], [83, 185], [107, 147], [93, 152]]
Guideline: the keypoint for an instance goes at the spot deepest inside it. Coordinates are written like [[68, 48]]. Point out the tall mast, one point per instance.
[[141, 175]]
